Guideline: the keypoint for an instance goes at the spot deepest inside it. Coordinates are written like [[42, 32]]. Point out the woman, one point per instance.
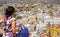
[[9, 21]]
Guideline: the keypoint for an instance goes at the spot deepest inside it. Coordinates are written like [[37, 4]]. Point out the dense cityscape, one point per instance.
[[31, 18]]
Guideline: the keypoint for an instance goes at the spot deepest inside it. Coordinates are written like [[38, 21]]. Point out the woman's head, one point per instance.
[[9, 11]]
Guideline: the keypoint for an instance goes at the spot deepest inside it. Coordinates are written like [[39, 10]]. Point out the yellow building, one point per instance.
[[53, 30]]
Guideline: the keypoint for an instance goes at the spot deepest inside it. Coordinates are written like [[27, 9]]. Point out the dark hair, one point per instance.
[[9, 11]]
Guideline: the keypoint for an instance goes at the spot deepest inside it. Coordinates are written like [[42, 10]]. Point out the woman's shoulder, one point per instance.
[[12, 19]]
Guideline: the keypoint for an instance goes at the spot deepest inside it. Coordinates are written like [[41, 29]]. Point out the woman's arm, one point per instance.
[[14, 28]]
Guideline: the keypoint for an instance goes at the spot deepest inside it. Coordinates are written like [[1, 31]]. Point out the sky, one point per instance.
[[30, 1]]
